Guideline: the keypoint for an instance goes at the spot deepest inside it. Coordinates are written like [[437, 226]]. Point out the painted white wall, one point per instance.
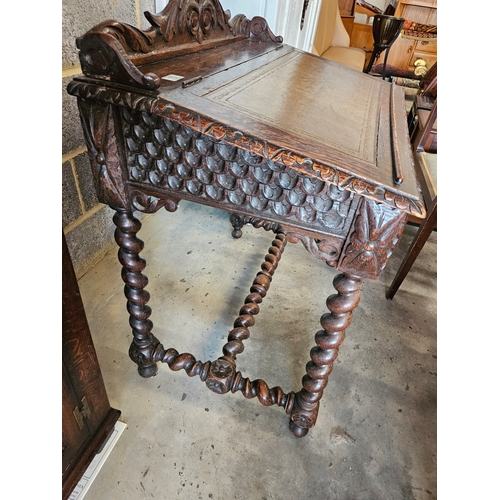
[[289, 13], [381, 4], [268, 7], [251, 8]]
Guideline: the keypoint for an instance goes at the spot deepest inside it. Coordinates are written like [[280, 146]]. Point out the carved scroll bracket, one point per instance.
[[255, 29], [103, 57], [150, 204], [327, 249]]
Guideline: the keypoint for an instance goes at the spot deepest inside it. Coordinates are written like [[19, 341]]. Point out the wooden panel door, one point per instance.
[[87, 417], [73, 436]]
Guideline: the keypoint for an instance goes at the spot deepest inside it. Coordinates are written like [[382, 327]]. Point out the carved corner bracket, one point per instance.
[[112, 50], [326, 249], [375, 233]]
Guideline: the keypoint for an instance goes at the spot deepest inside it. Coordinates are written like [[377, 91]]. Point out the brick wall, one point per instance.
[[87, 224]]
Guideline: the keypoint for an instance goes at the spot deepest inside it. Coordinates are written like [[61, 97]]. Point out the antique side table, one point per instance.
[[219, 111]]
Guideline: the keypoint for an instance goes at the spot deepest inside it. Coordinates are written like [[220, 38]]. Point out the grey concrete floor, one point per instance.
[[375, 437]]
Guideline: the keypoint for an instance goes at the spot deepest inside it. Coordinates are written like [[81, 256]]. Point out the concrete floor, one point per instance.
[[375, 437]]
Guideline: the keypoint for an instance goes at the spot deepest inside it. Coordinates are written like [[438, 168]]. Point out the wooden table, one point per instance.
[[221, 112]]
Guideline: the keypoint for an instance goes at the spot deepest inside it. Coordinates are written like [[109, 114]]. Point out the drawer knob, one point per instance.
[[420, 67]]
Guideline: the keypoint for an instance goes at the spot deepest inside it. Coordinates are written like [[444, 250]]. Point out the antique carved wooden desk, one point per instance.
[[218, 111]]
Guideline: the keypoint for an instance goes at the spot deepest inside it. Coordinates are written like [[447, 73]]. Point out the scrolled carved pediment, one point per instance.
[[112, 50]]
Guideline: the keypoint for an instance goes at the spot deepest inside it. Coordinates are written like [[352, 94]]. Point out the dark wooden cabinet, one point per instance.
[[405, 51], [87, 418]]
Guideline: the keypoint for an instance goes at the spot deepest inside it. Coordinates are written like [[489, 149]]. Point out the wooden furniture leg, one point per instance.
[[424, 231], [341, 305], [144, 342]]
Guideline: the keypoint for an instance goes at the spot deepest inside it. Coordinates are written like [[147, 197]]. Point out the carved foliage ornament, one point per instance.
[[194, 16], [377, 229], [99, 127]]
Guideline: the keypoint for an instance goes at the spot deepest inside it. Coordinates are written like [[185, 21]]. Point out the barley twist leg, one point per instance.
[[144, 342], [258, 291], [306, 403], [222, 373]]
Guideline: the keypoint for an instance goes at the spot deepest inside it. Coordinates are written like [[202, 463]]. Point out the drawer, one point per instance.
[[426, 46]]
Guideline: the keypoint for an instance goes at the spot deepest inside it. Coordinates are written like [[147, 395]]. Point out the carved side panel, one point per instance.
[[376, 230], [181, 162], [304, 166], [102, 131]]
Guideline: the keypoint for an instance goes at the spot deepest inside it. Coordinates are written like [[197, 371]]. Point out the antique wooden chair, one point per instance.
[[426, 171], [332, 41], [428, 84], [423, 102]]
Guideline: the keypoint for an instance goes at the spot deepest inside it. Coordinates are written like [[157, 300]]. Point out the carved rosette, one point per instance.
[[376, 230]]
